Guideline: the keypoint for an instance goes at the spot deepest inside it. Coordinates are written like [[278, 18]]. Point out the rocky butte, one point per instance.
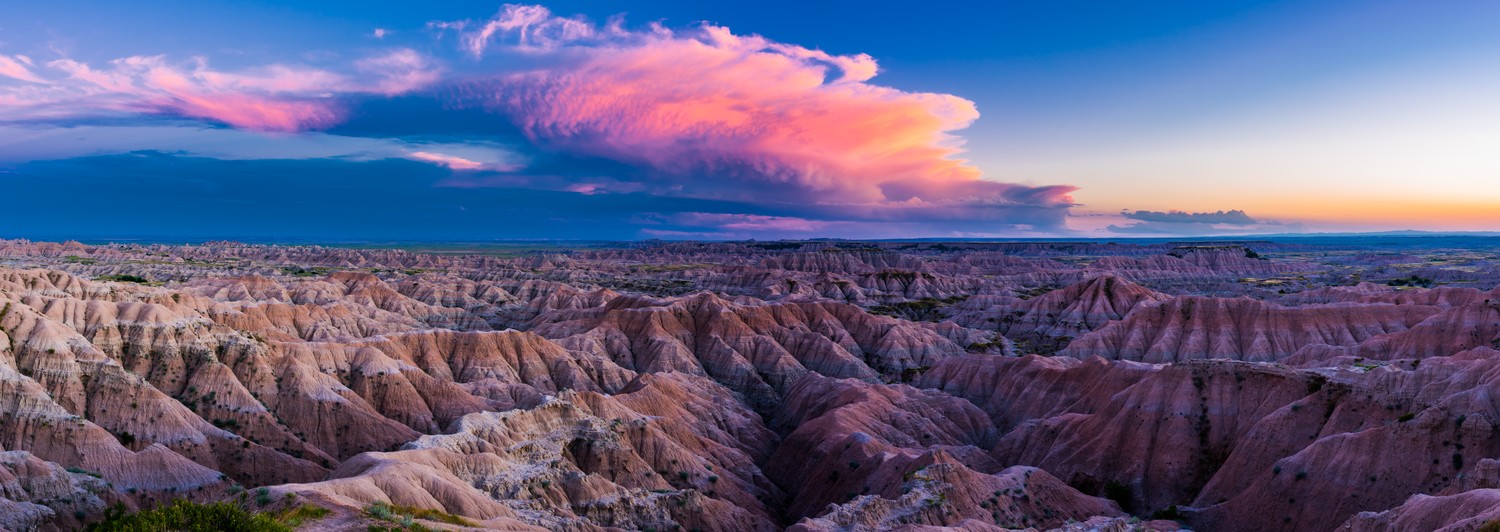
[[1311, 384]]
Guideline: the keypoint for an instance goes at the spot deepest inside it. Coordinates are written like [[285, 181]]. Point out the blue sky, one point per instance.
[[345, 120]]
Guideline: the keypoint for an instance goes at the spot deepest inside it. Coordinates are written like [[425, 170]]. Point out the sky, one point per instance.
[[465, 120]]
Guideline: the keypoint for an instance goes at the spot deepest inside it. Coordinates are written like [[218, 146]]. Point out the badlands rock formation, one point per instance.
[[759, 385]]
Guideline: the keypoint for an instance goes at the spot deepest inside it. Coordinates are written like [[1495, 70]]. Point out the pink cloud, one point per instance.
[[272, 79], [533, 26], [450, 161], [18, 67], [263, 100], [706, 101], [465, 158], [398, 72], [279, 98]]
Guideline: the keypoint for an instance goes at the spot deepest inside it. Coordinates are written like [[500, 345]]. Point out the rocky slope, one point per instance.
[[754, 386]]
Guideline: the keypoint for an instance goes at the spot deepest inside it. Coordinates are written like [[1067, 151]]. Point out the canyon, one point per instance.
[[1297, 384]]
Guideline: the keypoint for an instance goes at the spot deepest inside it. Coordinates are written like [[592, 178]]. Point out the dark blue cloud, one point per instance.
[[1179, 223], [1235, 217], [424, 115], [152, 194]]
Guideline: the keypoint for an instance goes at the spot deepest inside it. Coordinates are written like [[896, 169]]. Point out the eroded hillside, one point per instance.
[[757, 386]]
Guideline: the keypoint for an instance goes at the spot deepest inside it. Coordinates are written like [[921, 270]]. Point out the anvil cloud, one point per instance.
[[731, 113]]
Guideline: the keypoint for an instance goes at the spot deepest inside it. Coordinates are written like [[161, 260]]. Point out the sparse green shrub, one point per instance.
[[1414, 280], [405, 516], [83, 471], [185, 516], [125, 278], [380, 510], [297, 516]]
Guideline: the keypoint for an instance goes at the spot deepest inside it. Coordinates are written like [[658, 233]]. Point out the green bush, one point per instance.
[[380, 510], [83, 471], [1415, 280], [406, 516], [295, 517], [186, 516], [126, 278]]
